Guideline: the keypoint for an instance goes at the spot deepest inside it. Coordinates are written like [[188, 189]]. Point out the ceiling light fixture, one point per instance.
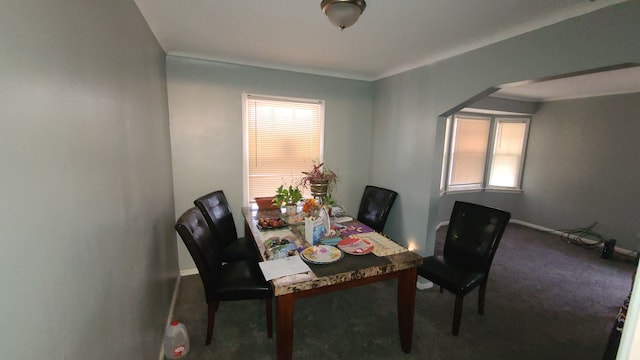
[[343, 13]]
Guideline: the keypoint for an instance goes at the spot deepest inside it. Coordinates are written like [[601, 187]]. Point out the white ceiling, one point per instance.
[[621, 81], [392, 36]]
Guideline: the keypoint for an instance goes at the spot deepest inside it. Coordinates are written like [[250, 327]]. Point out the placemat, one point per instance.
[[354, 227], [383, 246], [348, 263]]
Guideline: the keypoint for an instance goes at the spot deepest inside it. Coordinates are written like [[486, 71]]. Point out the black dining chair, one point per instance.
[[375, 206], [472, 239], [240, 280], [217, 213]]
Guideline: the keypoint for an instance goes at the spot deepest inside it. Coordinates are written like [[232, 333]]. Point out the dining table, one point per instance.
[[385, 260]]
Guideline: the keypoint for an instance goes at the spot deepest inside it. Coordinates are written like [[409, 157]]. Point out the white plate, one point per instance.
[[321, 254]]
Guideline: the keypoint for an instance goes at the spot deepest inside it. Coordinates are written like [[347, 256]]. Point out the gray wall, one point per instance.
[[89, 261], [510, 201], [413, 100], [205, 104], [582, 167], [402, 153]]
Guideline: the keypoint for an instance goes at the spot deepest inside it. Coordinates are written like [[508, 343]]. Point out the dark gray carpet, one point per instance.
[[546, 299]]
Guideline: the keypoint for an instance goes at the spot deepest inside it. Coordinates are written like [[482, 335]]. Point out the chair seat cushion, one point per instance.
[[456, 280], [240, 249], [242, 280]]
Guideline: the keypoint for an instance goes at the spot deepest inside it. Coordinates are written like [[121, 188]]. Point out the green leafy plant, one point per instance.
[[328, 200], [286, 196]]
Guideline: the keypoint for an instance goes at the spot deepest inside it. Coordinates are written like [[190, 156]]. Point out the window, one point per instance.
[[468, 151], [282, 138], [484, 152], [508, 152]]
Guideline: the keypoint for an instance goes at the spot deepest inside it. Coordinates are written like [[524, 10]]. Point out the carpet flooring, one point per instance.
[[546, 299]]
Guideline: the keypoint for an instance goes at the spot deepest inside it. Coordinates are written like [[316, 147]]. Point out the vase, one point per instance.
[[319, 188], [292, 209]]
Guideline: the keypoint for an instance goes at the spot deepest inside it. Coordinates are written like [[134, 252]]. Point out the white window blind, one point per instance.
[[508, 148], [468, 151], [284, 137], [484, 151]]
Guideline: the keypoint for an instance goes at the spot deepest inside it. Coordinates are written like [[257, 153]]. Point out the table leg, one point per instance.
[[406, 306], [284, 323], [247, 230]]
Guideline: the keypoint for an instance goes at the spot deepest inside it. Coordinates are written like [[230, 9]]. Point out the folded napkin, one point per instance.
[[283, 267], [343, 219]]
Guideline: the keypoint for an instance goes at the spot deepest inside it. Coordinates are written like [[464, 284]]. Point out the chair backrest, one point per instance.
[[473, 235], [203, 247], [375, 206], [217, 214]]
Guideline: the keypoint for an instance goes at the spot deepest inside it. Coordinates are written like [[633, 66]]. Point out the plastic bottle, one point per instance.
[[176, 341]]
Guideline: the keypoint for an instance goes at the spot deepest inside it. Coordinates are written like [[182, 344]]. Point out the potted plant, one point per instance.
[[319, 180], [287, 197]]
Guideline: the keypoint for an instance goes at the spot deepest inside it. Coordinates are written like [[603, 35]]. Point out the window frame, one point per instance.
[[246, 96], [447, 161]]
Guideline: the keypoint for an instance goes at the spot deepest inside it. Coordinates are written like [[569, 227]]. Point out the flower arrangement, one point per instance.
[[311, 207]]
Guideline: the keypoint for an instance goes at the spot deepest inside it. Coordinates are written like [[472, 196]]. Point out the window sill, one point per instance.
[[461, 191], [492, 190], [499, 190]]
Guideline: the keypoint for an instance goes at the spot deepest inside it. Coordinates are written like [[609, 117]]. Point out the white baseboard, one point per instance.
[[444, 223], [174, 298], [187, 272], [570, 236], [423, 283], [537, 227]]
